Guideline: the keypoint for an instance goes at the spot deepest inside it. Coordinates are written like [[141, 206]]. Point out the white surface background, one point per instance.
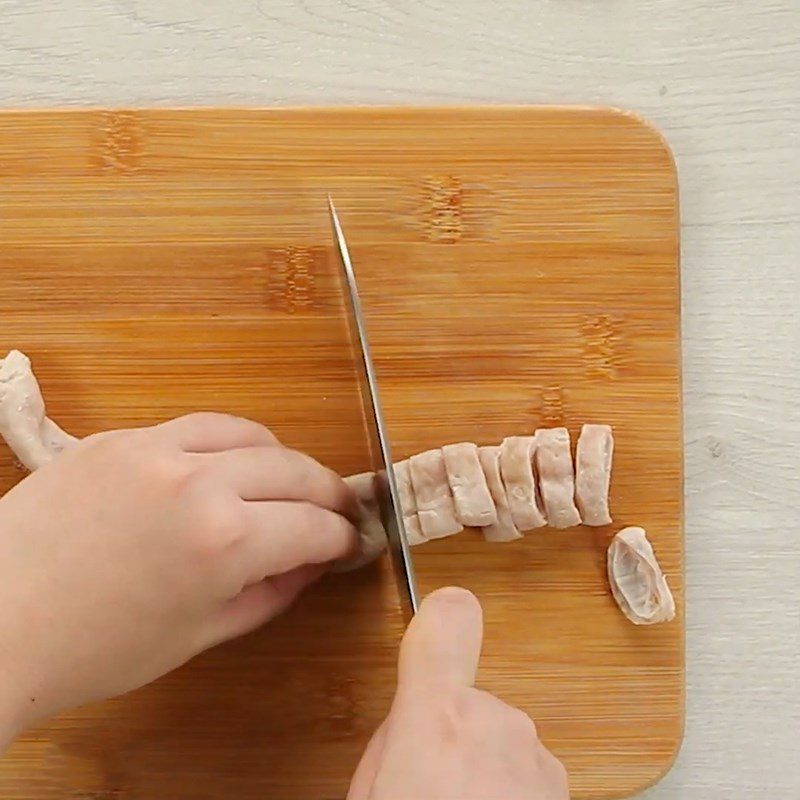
[[721, 78]]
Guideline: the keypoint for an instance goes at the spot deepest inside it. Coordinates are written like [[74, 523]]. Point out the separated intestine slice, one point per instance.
[[637, 582]]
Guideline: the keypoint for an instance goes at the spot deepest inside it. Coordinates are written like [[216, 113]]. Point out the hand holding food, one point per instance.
[[154, 544]]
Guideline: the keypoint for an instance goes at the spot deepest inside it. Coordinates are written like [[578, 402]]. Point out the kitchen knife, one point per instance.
[[380, 456]]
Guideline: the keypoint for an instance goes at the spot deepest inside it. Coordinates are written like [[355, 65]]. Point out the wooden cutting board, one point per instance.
[[519, 269]]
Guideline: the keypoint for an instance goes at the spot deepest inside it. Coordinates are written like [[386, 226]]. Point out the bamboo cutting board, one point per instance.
[[519, 269]]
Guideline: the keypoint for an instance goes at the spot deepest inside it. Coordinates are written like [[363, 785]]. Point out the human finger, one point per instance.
[[284, 535], [442, 645], [209, 432], [278, 473]]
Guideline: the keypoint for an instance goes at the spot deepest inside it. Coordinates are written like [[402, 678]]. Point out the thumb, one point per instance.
[[442, 646]]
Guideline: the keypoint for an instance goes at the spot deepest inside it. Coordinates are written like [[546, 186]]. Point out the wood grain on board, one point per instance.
[[519, 267]]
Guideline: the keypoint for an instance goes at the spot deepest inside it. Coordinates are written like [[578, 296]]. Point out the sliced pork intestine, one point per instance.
[[637, 582], [473, 500], [556, 477], [435, 505], [519, 478], [593, 458]]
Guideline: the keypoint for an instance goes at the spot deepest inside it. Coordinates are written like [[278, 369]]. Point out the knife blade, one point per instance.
[[380, 455]]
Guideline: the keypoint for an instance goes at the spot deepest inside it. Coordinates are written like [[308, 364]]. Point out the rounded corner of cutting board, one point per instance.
[[655, 138], [661, 768]]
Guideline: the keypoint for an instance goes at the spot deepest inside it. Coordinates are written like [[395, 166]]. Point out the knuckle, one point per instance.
[[303, 473], [169, 470], [96, 439], [340, 527], [229, 425], [320, 520], [507, 720], [121, 447], [146, 465], [334, 480], [342, 496], [481, 704], [202, 418], [470, 704], [310, 478], [521, 723], [341, 534], [450, 717], [217, 525], [109, 440]]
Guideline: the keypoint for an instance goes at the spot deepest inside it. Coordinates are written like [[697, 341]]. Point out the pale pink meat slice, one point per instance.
[[593, 473], [504, 530], [553, 459], [473, 501], [637, 582], [408, 501], [435, 506], [372, 539], [519, 478]]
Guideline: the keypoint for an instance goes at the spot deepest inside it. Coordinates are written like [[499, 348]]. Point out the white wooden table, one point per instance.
[[722, 81]]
